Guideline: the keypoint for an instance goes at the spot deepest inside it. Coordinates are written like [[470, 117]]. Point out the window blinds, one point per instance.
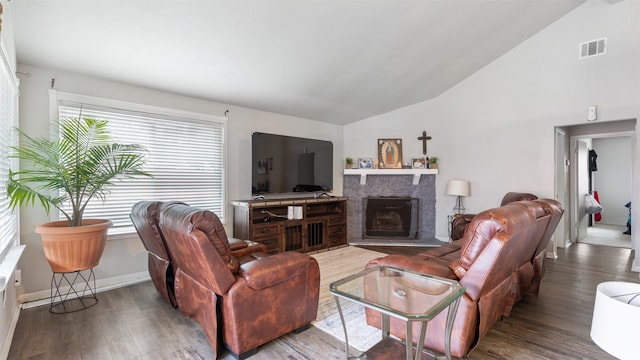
[[8, 138], [185, 157]]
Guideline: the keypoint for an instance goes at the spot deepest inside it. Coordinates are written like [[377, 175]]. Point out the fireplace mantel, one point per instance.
[[416, 173]]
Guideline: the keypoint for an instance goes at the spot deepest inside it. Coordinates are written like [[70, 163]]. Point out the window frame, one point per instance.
[[56, 97], [14, 83]]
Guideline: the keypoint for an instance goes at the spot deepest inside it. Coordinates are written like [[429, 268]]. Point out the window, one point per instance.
[[8, 138], [186, 153]]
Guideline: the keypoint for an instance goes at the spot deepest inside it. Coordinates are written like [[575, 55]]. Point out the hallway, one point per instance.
[[608, 235]]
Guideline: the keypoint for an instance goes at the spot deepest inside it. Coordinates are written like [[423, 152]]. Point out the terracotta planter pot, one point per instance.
[[69, 249]]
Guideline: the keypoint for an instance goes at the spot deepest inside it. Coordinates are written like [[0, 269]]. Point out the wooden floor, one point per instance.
[[135, 323]]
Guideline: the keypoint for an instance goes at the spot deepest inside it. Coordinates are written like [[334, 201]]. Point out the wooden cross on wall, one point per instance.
[[424, 139]]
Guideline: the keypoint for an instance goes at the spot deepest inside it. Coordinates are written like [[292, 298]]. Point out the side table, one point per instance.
[[449, 224], [402, 294]]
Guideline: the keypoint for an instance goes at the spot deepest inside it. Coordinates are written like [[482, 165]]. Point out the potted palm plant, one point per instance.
[[65, 174]]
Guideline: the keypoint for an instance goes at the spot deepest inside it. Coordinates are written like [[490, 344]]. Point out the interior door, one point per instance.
[[582, 177], [562, 186]]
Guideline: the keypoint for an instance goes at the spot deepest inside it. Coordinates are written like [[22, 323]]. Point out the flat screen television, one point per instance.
[[283, 164]]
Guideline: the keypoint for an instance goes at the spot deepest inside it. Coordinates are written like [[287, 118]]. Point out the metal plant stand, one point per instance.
[[72, 291]]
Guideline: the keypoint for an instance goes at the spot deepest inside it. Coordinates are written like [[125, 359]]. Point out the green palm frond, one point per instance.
[[78, 166]]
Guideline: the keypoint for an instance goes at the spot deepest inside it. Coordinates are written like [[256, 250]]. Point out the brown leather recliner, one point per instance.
[[145, 218], [555, 209], [495, 261], [461, 222], [259, 298]]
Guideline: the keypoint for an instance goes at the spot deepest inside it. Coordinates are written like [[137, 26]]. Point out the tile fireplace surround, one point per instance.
[[391, 185]]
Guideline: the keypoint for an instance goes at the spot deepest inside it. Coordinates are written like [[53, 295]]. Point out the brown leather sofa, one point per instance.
[[145, 216], [250, 300], [461, 222], [499, 259]]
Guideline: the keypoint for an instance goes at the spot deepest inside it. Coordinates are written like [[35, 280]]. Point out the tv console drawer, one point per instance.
[[335, 220], [336, 230], [337, 240], [265, 230], [272, 243]]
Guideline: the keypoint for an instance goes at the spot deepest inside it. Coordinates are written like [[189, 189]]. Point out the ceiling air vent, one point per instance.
[[593, 48]]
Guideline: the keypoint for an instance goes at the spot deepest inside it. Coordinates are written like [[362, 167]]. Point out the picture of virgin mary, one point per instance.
[[390, 153]]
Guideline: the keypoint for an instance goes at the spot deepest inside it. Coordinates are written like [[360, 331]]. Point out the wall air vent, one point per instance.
[[593, 48]]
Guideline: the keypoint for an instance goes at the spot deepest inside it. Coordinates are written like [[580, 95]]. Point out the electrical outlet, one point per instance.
[[18, 277]]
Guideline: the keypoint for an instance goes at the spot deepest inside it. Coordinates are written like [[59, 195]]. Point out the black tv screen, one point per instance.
[[287, 164]]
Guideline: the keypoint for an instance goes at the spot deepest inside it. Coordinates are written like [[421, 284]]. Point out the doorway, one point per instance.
[[611, 186], [613, 143]]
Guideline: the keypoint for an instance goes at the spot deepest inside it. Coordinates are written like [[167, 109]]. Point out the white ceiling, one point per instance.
[[327, 60]]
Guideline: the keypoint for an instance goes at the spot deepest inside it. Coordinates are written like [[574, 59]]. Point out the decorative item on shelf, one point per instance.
[[390, 153], [460, 189], [365, 163], [348, 163], [419, 163], [66, 173], [433, 162], [424, 138]]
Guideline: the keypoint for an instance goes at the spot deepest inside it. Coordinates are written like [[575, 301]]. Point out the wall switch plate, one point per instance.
[[592, 114]]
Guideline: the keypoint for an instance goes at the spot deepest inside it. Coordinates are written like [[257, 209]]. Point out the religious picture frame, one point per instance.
[[365, 163], [390, 153], [419, 163]]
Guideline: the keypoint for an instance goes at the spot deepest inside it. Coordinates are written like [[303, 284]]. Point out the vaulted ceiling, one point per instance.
[[327, 60]]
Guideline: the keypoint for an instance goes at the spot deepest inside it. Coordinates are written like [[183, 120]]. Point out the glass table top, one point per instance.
[[401, 293]]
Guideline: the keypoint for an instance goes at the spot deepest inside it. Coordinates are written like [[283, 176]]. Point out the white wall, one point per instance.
[[126, 259], [496, 128], [613, 178]]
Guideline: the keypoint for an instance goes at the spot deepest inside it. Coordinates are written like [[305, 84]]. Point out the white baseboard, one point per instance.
[[43, 297], [13, 322]]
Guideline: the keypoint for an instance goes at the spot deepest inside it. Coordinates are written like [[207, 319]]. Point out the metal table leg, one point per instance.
[[451, 316]]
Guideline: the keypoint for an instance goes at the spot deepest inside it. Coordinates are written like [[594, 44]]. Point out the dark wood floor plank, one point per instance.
[[135, 323]]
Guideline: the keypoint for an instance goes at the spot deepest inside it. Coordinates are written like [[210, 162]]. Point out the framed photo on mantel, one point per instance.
[[390, 153]]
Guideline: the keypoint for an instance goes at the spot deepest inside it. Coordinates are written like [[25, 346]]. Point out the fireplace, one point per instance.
[[390, 217], [389, 186]]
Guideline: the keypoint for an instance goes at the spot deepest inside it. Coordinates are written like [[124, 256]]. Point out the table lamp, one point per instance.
[[459, 188], [616, 311]]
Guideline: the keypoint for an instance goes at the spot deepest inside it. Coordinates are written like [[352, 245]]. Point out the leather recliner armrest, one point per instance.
[[236, 244], [271, 270], [252, 248]]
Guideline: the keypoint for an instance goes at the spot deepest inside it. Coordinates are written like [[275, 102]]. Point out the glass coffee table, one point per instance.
[[402, 294]]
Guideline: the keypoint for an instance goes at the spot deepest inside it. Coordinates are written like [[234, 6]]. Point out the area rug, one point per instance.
[[335, 265]]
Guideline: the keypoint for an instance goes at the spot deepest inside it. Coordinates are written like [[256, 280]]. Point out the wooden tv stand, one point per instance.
[[323, 223]]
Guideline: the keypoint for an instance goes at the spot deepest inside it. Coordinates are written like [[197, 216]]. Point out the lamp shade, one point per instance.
[[615, 313], [458, 188]]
